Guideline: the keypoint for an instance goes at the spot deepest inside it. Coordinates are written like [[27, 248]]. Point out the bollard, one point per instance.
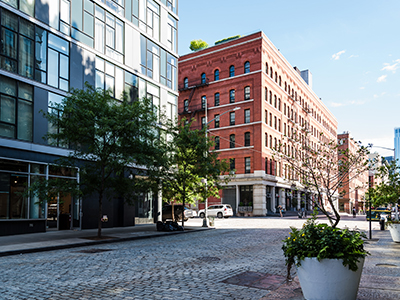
[[382, 223]]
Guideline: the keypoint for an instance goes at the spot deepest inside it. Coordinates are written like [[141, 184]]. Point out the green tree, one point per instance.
[[322, 168], [388, 190], [190, 161], [196, 45], [107, 137]]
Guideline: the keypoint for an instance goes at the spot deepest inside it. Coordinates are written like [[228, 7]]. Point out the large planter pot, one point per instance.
[[394, 230], [328, 279]]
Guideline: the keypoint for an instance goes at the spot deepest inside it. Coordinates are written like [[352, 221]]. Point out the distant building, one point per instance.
[[352, 192], [274, 99]]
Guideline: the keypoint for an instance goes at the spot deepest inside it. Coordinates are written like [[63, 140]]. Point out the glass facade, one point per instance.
[[126, 46]]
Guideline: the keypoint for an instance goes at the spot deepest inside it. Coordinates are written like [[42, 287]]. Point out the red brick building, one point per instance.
[[352, 193], [274, 98]]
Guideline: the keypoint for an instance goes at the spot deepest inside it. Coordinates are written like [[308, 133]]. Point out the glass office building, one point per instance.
[[50, 46]]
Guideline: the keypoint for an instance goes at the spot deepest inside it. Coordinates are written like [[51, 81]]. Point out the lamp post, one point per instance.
[[205, 221]]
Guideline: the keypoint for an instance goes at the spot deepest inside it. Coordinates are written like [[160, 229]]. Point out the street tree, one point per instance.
[[321, 167], [115, 144], [194, 168], [387, 192]]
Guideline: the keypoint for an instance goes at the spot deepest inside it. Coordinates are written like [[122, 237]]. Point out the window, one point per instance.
[[132, 89], [216, 99], [231, 71], [232, 141], [270, 97], [266, 68], [270, 141], [203, 122], [186, 83], [171, 4], [266, 94], [149, 18], [16, 105], [109, 35], [275, 101], [279, 125], [232, 164], [203, 78], [203, 102], [58, 62], [275, 123], [167, 69], [276, 77], [82, 20], [271, 73], [26, 6], [232, 96], [186, 105], [266, 140], [247, 139], [216, 140], [149, 58], [247, 115], [17, 53], [280, 81], [247, 93], [247, 166], [247, 67], [216, 122], [232, 118], [270, 119], [109, 77], [279, 104], [171, 33], [216, 75], [266, 117]]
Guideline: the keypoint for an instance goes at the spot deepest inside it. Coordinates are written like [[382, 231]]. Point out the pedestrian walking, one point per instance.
[[280, 210], [354, 212]]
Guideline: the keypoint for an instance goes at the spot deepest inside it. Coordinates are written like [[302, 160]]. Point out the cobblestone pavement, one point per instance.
[[188, 266]]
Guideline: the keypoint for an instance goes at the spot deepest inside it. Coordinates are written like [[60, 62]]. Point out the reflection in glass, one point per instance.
[[52, 77], [24, 120]]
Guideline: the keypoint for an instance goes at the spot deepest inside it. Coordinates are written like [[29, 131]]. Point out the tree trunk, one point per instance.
[[183, 205]]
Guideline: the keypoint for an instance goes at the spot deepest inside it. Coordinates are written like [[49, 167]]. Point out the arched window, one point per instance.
[[266, 139], [203, 102], [216, 99], [247, 93], [270, 141], [247, 139], [231, 71], [186, 105], [203, 78], [270, 97], [247, 67], [280, 81], [266, 68], [276, 77], [186, 83], [275, 101], [271, 73], [216, 75], [216, 140], [285, 86], [232, 141], [279, 104], [266, 94], [232, 96]]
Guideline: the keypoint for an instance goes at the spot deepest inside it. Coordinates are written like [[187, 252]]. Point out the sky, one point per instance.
[[352, 49]]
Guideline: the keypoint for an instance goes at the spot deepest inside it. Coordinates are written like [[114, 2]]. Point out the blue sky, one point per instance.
[[352, 49]]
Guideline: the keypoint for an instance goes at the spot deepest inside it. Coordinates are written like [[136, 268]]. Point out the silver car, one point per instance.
[[218, 210]]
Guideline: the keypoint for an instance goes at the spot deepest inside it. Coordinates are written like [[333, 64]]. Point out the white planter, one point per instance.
[[328, 279], [394, 230]]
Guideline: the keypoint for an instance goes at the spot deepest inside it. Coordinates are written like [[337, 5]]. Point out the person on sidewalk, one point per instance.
[[354, 212], [280, 210]]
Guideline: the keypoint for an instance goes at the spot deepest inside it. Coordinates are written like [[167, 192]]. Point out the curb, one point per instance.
[[83, 244]]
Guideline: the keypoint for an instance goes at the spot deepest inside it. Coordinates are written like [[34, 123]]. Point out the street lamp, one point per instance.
[[205, 221]]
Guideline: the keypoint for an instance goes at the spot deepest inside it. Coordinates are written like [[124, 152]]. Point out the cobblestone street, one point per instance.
[[183, 266]]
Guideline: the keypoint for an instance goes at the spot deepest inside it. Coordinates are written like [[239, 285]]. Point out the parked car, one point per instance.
[[167, 213], [218, 210]]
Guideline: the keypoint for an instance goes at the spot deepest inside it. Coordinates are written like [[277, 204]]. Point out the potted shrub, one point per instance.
[[387, 192], [329, 260]]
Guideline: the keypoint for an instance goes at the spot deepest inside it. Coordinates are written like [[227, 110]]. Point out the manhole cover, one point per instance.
[[208, 258], [95, 250], [257, 280], [387, 265]]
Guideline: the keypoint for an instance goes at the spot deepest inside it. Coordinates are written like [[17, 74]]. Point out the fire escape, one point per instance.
[[188, 108]]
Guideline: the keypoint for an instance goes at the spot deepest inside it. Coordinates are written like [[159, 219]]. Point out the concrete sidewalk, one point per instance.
[[62, 239]]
